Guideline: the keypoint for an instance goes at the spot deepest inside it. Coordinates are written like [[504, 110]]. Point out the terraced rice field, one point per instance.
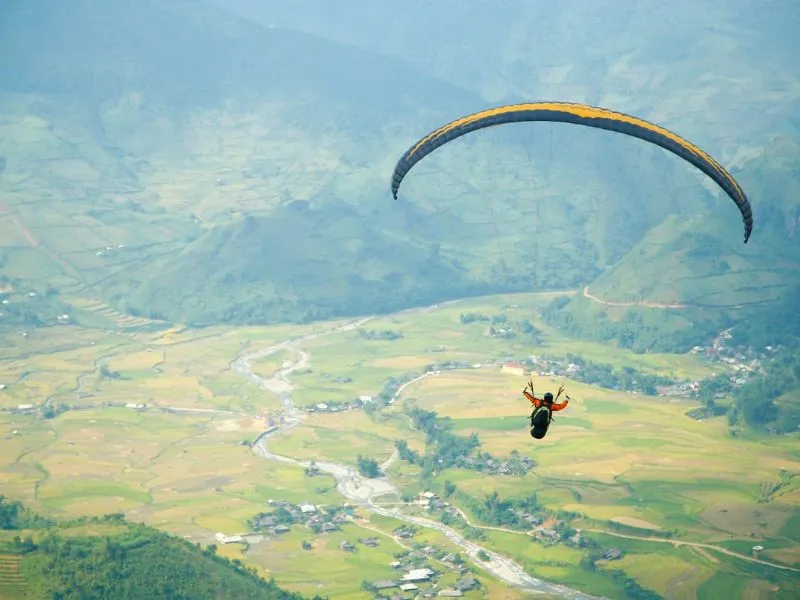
[[119, 319], [12, 584]]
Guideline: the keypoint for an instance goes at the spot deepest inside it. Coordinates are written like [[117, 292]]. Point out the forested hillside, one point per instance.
[[111, 558]]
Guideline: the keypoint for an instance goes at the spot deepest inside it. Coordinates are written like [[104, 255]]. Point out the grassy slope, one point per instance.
[[698, 264], [344, 266]]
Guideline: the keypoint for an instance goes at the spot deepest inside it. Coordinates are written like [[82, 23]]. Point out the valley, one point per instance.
[[181, 401]]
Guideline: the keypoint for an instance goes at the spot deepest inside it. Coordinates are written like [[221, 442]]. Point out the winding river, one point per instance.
[[361, 491]]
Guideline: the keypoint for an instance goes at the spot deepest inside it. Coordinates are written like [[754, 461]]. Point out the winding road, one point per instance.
[[672, 305], [678, 543], [644, 303], [361, 491]]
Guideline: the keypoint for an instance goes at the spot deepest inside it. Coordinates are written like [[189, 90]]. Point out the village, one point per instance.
[[746, 362], [742, 362], [423, 571]]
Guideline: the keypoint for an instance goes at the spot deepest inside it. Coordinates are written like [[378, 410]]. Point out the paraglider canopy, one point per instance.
[[578, 114]]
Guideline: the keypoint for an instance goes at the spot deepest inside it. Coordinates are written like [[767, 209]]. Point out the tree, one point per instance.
[[707, 398], [369, 587], [449, 488], [368, 467]]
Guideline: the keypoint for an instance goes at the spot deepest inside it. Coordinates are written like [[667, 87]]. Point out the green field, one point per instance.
[[612, 456], [629, 464]]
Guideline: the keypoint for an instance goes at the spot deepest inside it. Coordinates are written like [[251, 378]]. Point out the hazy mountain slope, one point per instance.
[[297, 264], [119, 122], [187, 54], [138, 137], [697, 266], [693, 66], [130, 129], [723, 74]]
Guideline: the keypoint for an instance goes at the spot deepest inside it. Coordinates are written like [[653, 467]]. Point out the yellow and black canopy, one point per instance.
[[578, 114]]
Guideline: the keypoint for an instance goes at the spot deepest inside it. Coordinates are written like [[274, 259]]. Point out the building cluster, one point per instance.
[[285, 514], [433, 503], [745, 362], [484, 463], [416, 576], [332, 406], [450, 578]]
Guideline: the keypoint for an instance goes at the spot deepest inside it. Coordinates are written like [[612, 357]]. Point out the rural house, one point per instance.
[[371, 542], [418, 575], [514, 368]]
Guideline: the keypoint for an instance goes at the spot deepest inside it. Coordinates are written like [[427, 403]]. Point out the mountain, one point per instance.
[[721, 74], [129, 129], [298, 264], [185, 54], [176, 159], [696, 269], [693, 67]]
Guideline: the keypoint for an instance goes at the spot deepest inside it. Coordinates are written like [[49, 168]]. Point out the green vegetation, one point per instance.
[[109, 557], [14, 516], [755, 402], [447, 448], [709, 283], [22, 306], [444, 449], [386, 334], [640, 329], [630, 588], [765, 403], [778, 326], [627, 379], [368, 467]]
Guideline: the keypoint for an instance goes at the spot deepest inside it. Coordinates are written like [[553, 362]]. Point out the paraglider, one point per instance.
[[578, 114], [543, 409]]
